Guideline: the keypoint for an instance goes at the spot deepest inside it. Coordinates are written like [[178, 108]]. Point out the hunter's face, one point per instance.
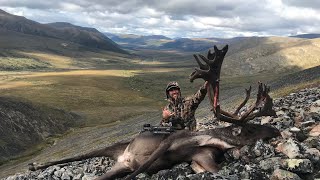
[[174, 93]]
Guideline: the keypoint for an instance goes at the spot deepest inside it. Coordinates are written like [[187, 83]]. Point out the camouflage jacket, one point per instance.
[[184, 110]]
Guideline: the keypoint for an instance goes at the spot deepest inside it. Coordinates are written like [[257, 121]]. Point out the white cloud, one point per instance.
[[65, 6], [178, 18]]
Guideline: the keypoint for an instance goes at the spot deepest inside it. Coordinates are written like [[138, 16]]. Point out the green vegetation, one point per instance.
[[99, 95], [8, 63]]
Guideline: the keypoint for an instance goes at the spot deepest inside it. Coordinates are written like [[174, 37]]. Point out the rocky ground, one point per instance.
[[295, 155]]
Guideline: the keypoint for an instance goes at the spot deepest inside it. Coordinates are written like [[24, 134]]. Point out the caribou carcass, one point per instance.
[[150, 152]]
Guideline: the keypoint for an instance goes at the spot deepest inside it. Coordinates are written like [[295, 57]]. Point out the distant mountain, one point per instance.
[[89, 37], [159, 42], [186, 44], [131, 41], [307, 36]]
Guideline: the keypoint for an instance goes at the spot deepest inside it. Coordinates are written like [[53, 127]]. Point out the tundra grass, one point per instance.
[[99, 95], [9, 63]]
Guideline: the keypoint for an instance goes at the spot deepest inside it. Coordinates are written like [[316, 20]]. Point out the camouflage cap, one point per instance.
[[171, 85]]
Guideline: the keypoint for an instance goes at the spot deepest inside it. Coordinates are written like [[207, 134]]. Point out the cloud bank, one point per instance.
[[178, 18]]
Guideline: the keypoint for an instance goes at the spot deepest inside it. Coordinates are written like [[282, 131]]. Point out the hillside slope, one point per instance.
[[84, 36], [272, 55], [24, 125]]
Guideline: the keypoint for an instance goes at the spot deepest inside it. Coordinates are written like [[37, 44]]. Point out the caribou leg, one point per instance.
[[112, 151], [204, 160]]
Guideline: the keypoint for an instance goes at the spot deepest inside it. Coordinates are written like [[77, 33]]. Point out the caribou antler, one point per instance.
[[263, 107], [210, 71]]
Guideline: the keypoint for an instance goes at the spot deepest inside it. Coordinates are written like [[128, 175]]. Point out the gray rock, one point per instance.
[[78, 176], [59, 172], [270, 164], [266, 120], [312, 142], [143, 176], [308, 123], [294, 129], [88, 176], [65, 176], [315, 131], [289, 147], [206, 176], [179, 170], [280, 174], [262, 150]]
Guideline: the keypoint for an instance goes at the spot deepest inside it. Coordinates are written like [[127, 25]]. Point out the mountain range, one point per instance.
[[28, 30], [160, 42], [69, 34]]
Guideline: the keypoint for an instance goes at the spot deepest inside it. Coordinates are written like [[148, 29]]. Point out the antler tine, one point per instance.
[[205, 60], [248, 92], [215, 48], [217, 61], [260, 90], [266, 110], [259, 100], [211, 55], [202, 66], [263, 103], [234, 116], [199, 73]]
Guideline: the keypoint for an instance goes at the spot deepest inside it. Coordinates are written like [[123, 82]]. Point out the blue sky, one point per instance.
[[178, 18]]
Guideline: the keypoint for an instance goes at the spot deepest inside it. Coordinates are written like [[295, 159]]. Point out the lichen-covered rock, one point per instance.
[[289, 147], [312, 142], [180, 170], [262, 150], [280, 174], [270, 164], [297, 165], [208, 176]]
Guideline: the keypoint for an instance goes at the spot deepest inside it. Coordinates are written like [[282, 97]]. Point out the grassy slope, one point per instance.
[[272, 55]]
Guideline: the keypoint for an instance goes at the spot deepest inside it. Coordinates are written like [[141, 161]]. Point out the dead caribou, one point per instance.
[[150, 152]]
